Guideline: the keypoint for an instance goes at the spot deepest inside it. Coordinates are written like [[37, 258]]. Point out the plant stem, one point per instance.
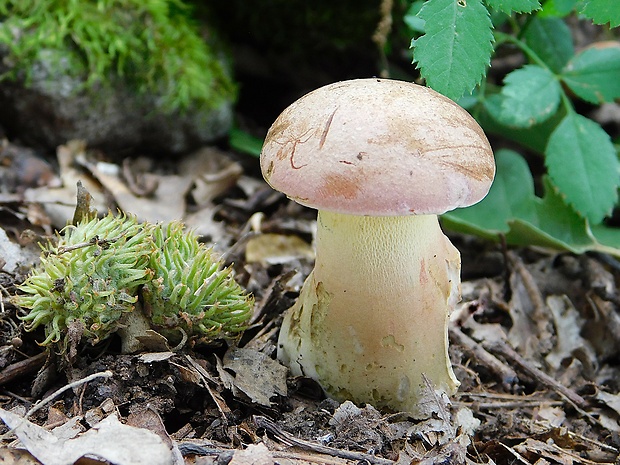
[[502, 37]]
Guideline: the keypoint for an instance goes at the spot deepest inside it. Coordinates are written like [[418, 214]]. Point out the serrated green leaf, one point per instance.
[[558, 220], [510, 196], [558, 8], [551, 40], [456, 49], [594, 74], [534, 138], [582, 162], [559, 226], [511, 209], [602, 11], [530, 95], [518, 6]]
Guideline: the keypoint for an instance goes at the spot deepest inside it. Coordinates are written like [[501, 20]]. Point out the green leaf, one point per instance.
[[602, 11], [582, 162], [518, 6], [594, 74], [551, 40], [558, 220], [245, 142], [511, 209], [530, 95], [559, 8], [534, 138], [510, 196], [609, 236], [456, 49], [411, 18]]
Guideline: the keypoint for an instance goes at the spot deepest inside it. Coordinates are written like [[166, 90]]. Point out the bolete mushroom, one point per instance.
[[379, 159]]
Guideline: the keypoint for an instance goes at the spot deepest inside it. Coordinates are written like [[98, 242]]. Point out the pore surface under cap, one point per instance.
[[378, 147]]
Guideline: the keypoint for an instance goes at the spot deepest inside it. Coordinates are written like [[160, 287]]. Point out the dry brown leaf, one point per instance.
[[612, 401], [535, 449], [272, 249], [203, 224], [523, 335], [568, 341], [10, 456], [12, 255], [254, 454], [59, 202], [213, 173], [255, 374], [166, 203], [109, 440], [553, 416]]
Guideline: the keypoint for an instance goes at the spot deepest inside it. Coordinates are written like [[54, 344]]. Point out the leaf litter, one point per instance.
[[535, 343]]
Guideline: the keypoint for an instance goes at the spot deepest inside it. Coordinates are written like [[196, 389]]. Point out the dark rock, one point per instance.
[[55, 107]]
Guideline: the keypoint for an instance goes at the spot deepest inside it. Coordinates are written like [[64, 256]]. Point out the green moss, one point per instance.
[[152, 44]]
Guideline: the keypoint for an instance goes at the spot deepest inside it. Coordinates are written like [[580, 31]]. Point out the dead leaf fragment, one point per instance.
[[255, 374], [10, 456], [213, 172], [10, 253], [254, 454], [108, 440], [273, 249], [166, 203], [569, 343]]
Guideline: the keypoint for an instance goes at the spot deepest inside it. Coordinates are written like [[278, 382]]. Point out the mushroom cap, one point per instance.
[[378, 147]]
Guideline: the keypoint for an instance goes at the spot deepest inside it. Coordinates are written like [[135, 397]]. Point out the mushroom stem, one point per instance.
[[371, 320]]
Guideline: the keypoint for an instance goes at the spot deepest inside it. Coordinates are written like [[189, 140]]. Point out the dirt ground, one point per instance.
[[534, 343]]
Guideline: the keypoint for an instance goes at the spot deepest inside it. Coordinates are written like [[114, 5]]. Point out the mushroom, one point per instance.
[[379, 159]]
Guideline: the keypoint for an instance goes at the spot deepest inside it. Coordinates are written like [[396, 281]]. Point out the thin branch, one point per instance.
[[271, 427], [79, 382]]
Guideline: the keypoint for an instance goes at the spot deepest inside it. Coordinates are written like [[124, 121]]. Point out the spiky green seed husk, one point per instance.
[[191, 290], [90, 276]]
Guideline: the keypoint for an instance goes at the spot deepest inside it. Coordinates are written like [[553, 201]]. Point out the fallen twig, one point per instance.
[[23, 367], [503, 349], [506, 374], [271, 427], [48, 399]]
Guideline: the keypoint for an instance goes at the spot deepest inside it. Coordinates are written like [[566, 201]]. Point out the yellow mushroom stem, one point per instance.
[[371, 320]]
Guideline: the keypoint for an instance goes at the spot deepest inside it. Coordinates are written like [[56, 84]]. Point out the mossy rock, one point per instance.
[[121, 74]]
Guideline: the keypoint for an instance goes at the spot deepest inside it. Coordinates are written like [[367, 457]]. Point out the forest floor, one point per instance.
[[535, 341]]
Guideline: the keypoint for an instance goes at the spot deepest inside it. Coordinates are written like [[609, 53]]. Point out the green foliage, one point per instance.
[[152, 44], [530, 95], [513, 210], [244, 142], [96, 271], [448, 26], [583, 164], [593, 74], [535, 106], [601, 11], [518, 6]]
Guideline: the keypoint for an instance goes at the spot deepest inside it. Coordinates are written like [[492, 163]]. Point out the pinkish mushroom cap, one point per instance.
[[378, 147]]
